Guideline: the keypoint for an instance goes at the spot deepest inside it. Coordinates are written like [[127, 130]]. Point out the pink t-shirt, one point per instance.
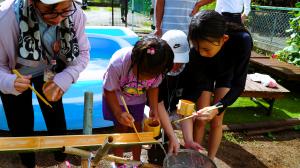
[[118, 77]]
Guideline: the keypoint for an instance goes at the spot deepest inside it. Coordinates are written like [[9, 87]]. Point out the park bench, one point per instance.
[[275, 67]]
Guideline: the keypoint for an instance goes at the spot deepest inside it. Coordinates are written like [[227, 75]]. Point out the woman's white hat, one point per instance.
[[50, 2], [177, 40]]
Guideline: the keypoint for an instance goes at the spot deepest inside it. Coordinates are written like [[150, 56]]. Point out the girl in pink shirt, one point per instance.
[[135, 74]]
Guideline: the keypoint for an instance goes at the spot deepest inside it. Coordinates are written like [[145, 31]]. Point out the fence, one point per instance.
[[268, 26]]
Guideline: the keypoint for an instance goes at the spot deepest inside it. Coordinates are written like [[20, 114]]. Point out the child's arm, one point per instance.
[[152, 94], [166, 125], [113, 103], [187, 132]]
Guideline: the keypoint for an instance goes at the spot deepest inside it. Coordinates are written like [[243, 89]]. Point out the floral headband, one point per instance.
[[151, 51]]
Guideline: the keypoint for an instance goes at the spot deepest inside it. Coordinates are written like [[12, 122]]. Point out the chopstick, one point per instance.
[[132, 123], [37, 93], [191, 116]]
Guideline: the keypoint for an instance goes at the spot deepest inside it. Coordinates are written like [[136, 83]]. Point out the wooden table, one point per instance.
[[257, 90]]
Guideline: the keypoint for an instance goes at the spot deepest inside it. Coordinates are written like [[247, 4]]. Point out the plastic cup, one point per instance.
[[152, 126]]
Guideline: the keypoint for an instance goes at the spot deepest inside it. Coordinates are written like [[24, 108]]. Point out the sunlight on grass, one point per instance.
[[147, 23], [210, 6], [109, 9], [93, 8], [245, 111], [231, 137]]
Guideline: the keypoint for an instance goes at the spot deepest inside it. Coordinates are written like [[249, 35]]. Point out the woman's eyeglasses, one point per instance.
[[52, 15]]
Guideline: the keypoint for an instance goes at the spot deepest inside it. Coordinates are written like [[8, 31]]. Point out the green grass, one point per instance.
[[210, 6], [147, 23], [245, 110], [93, 8], [231, 137]]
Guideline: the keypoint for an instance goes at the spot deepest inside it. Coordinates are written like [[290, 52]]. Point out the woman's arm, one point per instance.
[[70, 75], [199, 4], [159, 13]]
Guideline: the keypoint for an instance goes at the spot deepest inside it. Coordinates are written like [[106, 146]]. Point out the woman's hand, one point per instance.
[[52, 92], [22, 83], [125, 119], [207, 114], [173, 146], [195, 9], [158, 32]]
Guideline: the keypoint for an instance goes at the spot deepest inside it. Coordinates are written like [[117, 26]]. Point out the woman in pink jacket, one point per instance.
[[45, 41]]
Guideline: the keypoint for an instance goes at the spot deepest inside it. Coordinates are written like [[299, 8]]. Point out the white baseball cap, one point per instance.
[[177, 40], [50, 2]]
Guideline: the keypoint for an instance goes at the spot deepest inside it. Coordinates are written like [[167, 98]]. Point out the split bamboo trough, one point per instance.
[[38, 143]]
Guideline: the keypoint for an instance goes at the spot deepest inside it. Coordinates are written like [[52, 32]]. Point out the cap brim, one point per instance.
[[181, 57], [50, 2]]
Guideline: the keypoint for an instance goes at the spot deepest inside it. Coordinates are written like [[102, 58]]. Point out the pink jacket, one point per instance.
[[9, 47]]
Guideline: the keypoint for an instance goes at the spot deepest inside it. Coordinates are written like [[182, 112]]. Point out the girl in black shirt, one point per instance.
[[216, 73]]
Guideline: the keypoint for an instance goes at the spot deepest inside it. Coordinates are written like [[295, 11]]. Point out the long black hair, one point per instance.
[[211, 26], [152, 56]]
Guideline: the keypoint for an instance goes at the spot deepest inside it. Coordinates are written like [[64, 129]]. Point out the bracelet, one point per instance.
[[220, 110]]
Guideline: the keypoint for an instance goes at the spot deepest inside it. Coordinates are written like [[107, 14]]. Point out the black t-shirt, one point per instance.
[[229, 65], [170, 91]]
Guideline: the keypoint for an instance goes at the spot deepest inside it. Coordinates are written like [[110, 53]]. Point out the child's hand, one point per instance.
[[125, 119], [193, 145], [153, 115], [206, 114], [173, 146]]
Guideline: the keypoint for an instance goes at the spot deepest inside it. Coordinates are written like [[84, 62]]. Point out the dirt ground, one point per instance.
[[281, 150]]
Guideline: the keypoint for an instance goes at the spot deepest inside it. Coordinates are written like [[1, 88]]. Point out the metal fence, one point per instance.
[[268, 26]]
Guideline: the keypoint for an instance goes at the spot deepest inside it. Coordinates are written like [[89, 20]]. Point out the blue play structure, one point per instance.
[[103, 45]]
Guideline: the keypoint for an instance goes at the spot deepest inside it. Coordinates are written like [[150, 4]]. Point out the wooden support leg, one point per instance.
[[269, 101], [271, 104]]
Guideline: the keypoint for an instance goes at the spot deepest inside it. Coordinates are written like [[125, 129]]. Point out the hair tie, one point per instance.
[[151, 51]]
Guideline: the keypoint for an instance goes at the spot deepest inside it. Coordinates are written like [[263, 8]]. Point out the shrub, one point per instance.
[[291, 53]]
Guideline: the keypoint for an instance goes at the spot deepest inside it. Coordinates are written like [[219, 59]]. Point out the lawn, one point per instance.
[[245, 110]]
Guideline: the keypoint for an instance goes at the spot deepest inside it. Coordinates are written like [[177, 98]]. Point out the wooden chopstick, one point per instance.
[[191, 116], [132, 123], [37, 93]]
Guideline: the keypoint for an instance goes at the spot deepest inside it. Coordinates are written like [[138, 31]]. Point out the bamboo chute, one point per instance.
[[36, 143]]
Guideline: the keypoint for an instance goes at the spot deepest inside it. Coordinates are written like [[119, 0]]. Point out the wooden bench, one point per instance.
[[275, 67], [257, 90]]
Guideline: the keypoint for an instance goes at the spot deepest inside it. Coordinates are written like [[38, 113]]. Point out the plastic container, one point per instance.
[[152, 126]]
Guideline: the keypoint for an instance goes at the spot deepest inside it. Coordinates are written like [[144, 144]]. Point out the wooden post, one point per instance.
[[87, 122], [88, 111]]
